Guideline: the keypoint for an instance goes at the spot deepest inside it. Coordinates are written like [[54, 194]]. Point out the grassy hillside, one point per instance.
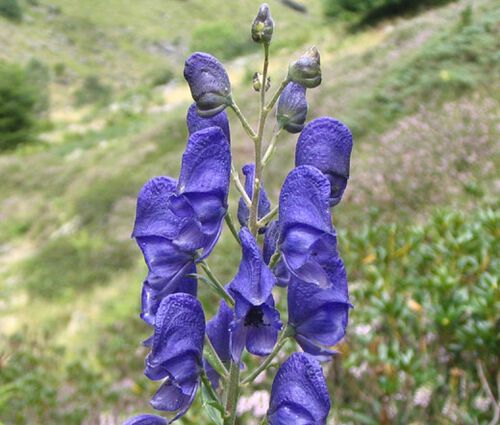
[[421, 96]]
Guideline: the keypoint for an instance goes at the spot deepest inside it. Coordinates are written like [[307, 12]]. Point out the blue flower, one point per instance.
[[326, 144], [299, 394], [308, 243], [256, 322], [218, 333], [196, 123], [264, 205], [209, 83], [176, 353], [292, 108], [319, 316], [270, 240], [146, 420], [178, 223]]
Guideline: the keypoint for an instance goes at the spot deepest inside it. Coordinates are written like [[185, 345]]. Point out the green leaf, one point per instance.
[[211, 405]]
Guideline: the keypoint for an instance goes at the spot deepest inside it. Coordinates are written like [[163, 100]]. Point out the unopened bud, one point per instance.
[[292, 108], [257, 81], [306, 71], [263, 25]]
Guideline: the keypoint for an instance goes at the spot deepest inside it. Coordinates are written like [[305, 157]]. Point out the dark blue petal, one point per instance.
[[238, 339], [270, 240], [195, 122], [206, 164], [264, 204], [262, 339], [304, 199], [254, 280], [209, 83], [153, 217], [299, 391], [292, 108], [146, 420], [171, 398], [326, 144]]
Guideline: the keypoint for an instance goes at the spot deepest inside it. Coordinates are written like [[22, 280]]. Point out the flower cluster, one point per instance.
[[179, 221]]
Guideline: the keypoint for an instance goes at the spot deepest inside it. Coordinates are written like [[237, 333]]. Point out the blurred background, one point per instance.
[[93, 103]]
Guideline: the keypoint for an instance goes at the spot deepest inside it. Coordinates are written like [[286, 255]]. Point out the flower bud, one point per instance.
[[257, 82], [292, 108], [209, 83], [263, 25], [306, 71]]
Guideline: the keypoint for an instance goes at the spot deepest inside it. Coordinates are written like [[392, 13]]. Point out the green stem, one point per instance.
[[276, 95], [232, 393], [268, 217], [271, 148], [218, 286], [248, 128], [208, 386], [232, 227], [214, 359], [240, 187], [265, 364], [258, 148]]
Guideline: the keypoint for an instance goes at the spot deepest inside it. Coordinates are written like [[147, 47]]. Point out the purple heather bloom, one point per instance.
[[264, 204], [146, 420], [178, 223], [209, 83], [299, 394], [176, 353], [326, 144], [292, 108], [195, 122], [320, 322], [218, 333], [256, 323], [308, 243]]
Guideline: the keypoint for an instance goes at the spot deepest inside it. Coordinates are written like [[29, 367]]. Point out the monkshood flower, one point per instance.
[[326, 144], [307, 242], [218, 333], [257, 322], [270, 240], [299, 394], [178, 223], [146, 420], [209, 83], [264, 205], [321, 321], [306, 70], [292, 108], [263, 25], [176, 353], [196, 122]]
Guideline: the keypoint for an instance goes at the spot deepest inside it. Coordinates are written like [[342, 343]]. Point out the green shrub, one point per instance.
[[222, 40], [161, 77], [92, 91], [10, 9], [18, 101], [38, 74]]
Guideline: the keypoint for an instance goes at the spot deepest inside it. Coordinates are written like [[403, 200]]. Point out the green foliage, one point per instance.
[[368, 11], [10, 9], [70, 264], [161, 77], [38, 75], [92, 91], [18, 101], [222, 40]]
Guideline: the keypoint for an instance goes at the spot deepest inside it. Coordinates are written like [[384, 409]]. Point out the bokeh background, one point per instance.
[[92, 104]]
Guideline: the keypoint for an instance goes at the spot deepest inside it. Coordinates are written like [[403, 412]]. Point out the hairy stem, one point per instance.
[[258, 147], [271, 148], [268, 217], [276, 96], [232, 393], [248, 128], [208, 386], [240, 187], [218, 286], [213, 358], [232, 227]]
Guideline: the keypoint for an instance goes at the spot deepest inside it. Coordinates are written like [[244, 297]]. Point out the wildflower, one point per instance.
[[146, 420], [264, 205], [299, 394], [176, 352], [178, 223], [292, 108], [321, 321], [209, 83], [196, 122], [263, 25], [326, 144], [308, 243], [218, 333], [306, 71], [256, 323]]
